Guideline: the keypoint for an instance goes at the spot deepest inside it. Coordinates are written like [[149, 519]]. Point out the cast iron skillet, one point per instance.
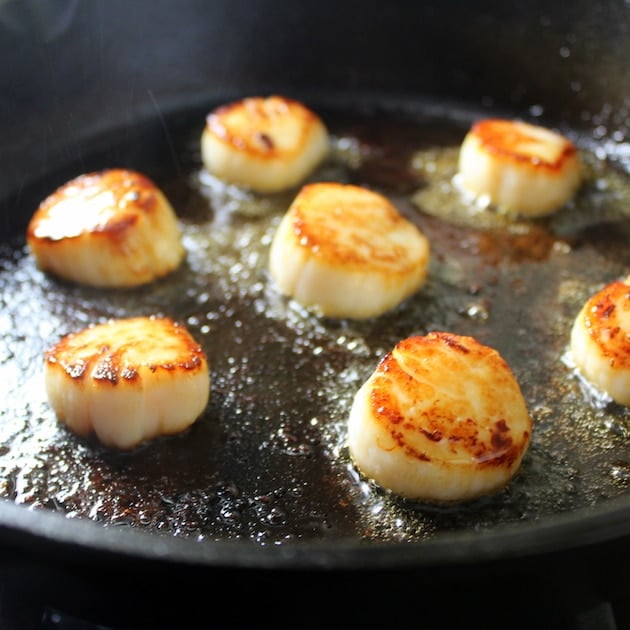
[[88, 84]]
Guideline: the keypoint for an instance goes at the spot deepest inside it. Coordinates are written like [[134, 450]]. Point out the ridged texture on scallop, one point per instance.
[[264, 144], [524, 169], [346, 252], [128, 380], [108, 229], [441, 419], [600, 340]]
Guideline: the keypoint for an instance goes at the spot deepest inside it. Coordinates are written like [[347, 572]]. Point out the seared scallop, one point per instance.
[[600, 340], [128, 380], [112, 228], [346, 252], [525, 170], [441, 419], [263, 144]]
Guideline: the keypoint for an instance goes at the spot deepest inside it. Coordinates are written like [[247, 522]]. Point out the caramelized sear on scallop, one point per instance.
[[112, 228], [441, 419]]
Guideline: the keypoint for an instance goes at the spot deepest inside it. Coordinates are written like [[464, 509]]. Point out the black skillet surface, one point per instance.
[[263, 481], [267, 462]]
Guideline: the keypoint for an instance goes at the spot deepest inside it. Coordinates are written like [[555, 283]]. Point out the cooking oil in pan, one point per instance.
[[267, 461]]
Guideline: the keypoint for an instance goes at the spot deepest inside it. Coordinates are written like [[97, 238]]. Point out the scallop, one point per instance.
[[345, 251], [265, 144], [525, 170], [441, 419], [128, 381], [112, 229]]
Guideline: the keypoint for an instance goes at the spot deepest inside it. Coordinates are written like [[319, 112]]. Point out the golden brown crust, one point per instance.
[[118, 351], [116, 198], [606, 315], [510, 140], [354, 234], [489, 439], [252, 134]]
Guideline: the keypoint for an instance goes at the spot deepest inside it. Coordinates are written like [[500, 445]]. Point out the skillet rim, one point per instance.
[[579, 530]]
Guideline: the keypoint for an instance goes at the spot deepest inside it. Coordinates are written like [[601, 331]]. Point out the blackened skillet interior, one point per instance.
[[264, 478]]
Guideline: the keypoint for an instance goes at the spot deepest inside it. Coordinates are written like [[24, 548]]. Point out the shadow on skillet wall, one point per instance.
[[73, 68]]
